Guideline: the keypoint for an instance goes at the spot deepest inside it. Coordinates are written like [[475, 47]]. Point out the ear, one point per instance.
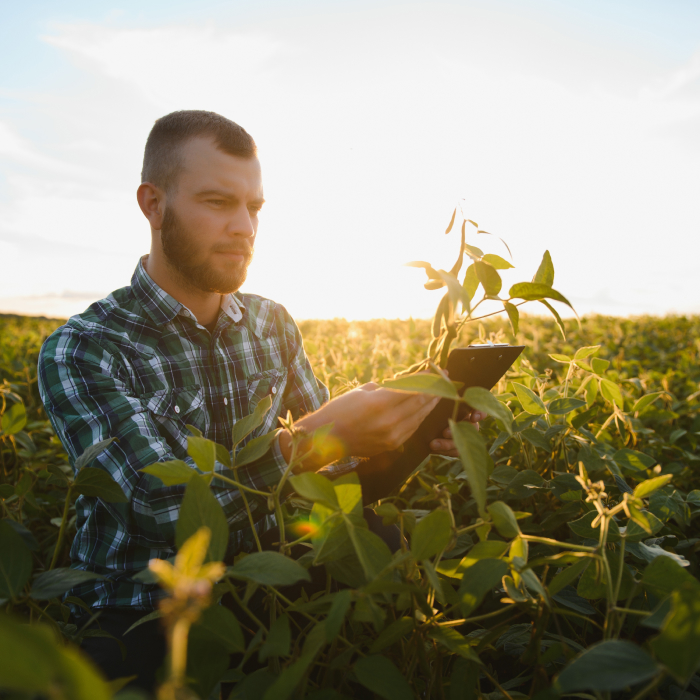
[[151, 199]]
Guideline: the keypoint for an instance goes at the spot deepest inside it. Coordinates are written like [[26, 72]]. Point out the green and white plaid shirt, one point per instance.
[[137, 366]]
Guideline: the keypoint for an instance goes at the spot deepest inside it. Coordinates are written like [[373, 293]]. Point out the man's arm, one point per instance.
[[88, 398]]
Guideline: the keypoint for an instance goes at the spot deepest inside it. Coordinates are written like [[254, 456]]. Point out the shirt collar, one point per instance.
[[163, 308]]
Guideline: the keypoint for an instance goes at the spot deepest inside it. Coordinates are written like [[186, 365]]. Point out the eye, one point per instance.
[[216, 202]]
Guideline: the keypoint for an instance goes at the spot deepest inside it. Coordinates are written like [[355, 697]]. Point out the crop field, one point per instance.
[[557, 557]]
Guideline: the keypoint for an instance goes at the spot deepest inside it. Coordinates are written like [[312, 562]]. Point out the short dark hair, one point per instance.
[[162, 156]]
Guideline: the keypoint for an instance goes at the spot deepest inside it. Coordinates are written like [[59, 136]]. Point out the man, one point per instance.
[[177, 347]]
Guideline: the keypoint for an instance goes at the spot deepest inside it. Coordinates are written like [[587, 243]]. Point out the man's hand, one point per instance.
[[446, 446], [366, 422]]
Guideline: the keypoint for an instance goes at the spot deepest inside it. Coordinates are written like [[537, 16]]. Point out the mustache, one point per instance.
[[246, 250]]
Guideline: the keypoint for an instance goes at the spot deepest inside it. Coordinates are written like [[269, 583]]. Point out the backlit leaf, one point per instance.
[[14, 419], [478, 580], [529, 400], [497, 262], [504, 519], [531, 291], [246, 425], [51, 584], [201, 509], [97, 483], [545, 272], [424, 383], [513, 316], [483, 400], [255, 449], [560, 407], [475, 460], [203, 452], [171, 473], [650, 485], [15, 562], [431, 535], [315, 487], [489, 278], [612, 392]]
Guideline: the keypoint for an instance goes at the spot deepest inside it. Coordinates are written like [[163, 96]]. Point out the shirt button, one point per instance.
[[177, 409], [225, 401], [274, 389]]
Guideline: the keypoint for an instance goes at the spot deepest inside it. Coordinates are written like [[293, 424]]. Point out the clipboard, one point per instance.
[[475, 365]]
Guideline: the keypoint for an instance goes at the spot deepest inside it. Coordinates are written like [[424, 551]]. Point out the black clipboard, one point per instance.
[[475, 365]]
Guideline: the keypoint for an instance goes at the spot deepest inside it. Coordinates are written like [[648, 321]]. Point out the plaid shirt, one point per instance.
[[138, 366]]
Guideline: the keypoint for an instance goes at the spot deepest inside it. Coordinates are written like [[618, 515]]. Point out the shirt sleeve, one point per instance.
[[87, 395]]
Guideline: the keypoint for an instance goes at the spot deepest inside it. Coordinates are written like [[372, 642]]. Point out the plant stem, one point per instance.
[[62, 529], [563, 545]]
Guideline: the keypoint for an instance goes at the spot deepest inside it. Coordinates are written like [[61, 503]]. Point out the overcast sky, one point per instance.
[[572, 126]]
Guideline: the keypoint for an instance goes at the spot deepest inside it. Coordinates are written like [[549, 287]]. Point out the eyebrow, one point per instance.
[[227, 195]]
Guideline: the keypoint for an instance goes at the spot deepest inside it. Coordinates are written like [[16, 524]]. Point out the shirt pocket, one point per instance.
[[174, 409], [272, 383]]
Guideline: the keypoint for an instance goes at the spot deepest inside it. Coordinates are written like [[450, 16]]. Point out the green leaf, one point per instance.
[[563, 359], [545, 272], [607, 666], [568, 575], [513, 315], [93, 451], [483, 576], [432, 384], [600, 366], [483, 400], [278, 640], [255, 449], [612, 392], [51, 584], [497, 262], [34, 663], [15, 562], [431, 535], [650, 485], [645, 401], [504, 520], [336, 615], [529, 400], [663, 576], [269, 569], [201, 509], [587, 351], [475, 460], [316, 488], [531, 291], [246, 425], [171, 473], [14, 419], [97, 483], [221, 625], [471, 282], [632, 460], [383, 678], [371, 550], [391, 634], [635, 532], [678, 645], [536, 438], [203, 452], [489, 278], [560, 407], [556, 315], [348, 491], [455, 642], [582, 527]]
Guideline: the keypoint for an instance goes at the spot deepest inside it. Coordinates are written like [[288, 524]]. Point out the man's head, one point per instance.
[[201, 189]]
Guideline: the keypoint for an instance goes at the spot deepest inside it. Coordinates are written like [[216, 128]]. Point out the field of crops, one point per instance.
[[558, 557]]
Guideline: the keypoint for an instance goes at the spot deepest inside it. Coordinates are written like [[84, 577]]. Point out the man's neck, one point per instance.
[[204, 305]]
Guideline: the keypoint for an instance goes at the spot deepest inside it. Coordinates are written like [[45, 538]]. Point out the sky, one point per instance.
[[564, 125]]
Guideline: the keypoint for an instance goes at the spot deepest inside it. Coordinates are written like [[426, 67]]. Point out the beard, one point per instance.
[[180, 250]]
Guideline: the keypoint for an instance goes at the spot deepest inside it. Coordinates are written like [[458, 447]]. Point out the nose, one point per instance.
[[242, 224]]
